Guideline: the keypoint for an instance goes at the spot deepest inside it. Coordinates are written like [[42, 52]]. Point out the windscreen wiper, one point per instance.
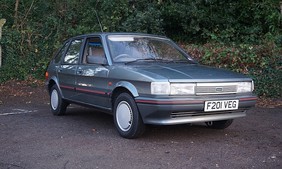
[[141, 60], [183, 61]]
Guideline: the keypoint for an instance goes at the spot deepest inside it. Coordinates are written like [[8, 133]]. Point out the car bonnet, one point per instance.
[[185, 71]]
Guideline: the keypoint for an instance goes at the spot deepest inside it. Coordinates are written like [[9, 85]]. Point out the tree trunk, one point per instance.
[[2, 22], [16, 14], [281, 7]]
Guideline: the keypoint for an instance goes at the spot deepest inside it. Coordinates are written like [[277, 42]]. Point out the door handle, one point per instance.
[[79, 71], [60, 69]]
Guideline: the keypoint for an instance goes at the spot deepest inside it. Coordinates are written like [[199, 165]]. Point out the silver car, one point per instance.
[[144, 79]]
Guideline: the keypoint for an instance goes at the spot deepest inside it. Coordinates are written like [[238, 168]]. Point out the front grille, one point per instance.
[[215, 88]]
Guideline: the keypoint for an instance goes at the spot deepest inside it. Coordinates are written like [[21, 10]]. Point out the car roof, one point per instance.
[[117, 33]]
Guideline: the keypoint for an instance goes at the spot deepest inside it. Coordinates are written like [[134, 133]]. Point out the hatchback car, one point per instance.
[[144, 79]]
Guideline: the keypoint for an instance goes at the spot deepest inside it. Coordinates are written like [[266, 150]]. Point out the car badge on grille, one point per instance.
[[218, 89]]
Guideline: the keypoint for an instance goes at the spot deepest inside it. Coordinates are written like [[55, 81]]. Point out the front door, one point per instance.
[[92, 73]]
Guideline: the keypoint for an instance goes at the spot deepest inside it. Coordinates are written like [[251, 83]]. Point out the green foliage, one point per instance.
[[243, 35], [146, 21], [241, 21]]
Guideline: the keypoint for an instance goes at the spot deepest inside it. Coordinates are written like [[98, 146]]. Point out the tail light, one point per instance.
[[46, 75]]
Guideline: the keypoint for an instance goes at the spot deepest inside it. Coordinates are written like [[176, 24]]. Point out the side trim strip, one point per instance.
[[84, 90], [90, 91], [67, 87]]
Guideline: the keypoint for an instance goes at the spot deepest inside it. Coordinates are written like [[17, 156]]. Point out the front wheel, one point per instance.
[[219, 124], [127, 118], [57, 104]]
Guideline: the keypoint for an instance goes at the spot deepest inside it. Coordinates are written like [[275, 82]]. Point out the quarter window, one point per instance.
[[61, 52], [72, 54]]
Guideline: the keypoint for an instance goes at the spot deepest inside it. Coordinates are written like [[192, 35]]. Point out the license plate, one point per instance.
[[221, 105]]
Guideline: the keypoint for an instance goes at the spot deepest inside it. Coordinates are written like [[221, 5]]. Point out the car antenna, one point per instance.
[[99, 21]]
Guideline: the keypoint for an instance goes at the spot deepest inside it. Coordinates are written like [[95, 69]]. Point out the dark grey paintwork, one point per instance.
[[96, 84]]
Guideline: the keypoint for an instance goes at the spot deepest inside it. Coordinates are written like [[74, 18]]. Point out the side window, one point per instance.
[[61, 52], [72, 54], [94, 52]]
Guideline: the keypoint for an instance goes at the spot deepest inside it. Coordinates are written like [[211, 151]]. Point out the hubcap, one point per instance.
[[124, 116], [210, 123], [54, 99]]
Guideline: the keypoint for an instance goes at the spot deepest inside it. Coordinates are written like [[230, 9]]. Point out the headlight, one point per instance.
[[244, 87], [165, 88], [160, 88], [182, 89]]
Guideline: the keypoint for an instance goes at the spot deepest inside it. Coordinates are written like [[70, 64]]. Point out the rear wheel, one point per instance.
[[219, 124], [127, 118], [57, 104]]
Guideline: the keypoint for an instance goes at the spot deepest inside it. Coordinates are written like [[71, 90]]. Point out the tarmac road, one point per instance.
[[32, 138]]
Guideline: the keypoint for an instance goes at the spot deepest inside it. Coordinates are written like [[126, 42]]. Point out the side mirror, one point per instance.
[[91, 59]]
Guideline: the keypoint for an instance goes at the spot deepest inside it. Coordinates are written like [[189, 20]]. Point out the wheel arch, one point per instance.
[[53, 81], [122, 87]]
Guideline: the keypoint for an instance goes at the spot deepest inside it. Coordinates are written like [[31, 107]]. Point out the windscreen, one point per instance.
[[132, 48]]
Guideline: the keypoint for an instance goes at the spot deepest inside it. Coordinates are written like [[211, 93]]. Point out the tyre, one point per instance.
[[127, 118], [219, 124], [57, 104]]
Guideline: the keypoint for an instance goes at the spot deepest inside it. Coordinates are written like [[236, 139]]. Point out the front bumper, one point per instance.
[[170, 111]]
